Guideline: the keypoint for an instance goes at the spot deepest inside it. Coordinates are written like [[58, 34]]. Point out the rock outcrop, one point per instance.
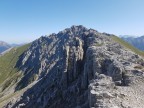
[[79, 68]]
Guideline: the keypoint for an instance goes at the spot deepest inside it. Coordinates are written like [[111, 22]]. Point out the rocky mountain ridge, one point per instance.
[[78, 68]]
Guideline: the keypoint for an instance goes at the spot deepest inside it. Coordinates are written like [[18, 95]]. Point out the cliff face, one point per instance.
[[79, 68]]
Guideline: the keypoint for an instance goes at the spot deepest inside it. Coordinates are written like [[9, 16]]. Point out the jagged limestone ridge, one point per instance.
[[78, 67]]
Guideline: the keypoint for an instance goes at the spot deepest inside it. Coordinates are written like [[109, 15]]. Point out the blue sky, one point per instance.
[[25, 20]]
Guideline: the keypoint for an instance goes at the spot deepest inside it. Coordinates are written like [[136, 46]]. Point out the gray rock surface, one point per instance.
[[79, 68]]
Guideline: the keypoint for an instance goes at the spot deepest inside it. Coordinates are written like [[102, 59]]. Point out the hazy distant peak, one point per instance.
[[4, 46], [137, 42], [2, 43], [127, 36]]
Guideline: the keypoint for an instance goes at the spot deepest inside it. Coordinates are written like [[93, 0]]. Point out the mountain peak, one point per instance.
[[77, 30], [78, 67], [78, 27]]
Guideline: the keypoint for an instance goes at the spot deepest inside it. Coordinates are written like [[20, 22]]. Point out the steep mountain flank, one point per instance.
[[9, 74], [78, 68]]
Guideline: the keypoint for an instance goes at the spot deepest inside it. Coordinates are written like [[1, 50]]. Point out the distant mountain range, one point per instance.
[[126, 36], [5, 46], [137, 42]]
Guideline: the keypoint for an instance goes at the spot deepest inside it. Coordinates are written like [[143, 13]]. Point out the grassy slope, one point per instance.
[[8, 61], [127, 45]]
